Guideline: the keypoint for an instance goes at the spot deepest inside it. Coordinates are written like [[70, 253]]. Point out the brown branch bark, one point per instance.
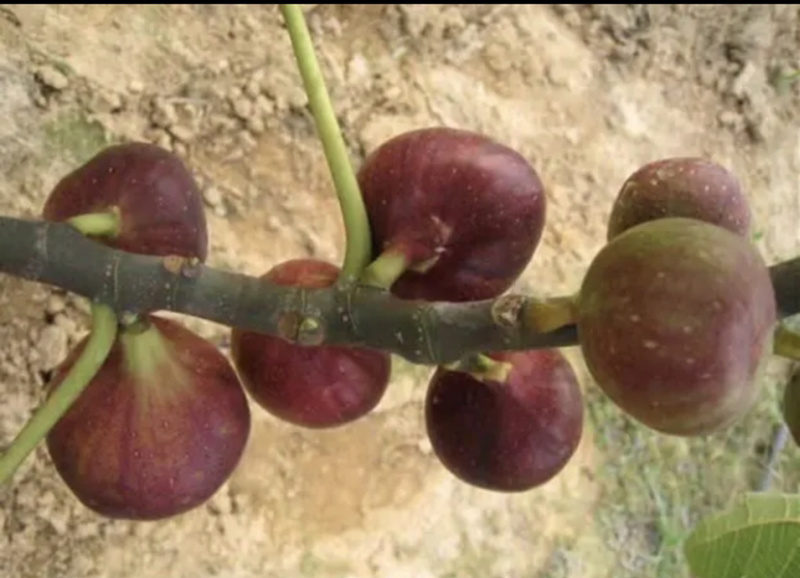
[[425, 333]]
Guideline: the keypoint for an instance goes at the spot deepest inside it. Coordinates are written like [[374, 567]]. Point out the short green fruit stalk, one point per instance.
[[104, 224], [482, 367], [387, 268]]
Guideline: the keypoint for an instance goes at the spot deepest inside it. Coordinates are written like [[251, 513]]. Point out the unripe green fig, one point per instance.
[[675, 318], [690, 187]]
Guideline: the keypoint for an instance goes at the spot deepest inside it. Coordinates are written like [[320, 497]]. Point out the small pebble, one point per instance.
[[51, 77]]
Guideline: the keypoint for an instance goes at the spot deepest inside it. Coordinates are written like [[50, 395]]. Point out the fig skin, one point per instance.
[[309, 386], [158, 430], [161, 209], [471, 206], [675, 318], [511, 436], [689, 187]]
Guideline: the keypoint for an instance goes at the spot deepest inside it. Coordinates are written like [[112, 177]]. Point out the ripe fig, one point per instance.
[[159, 203], [310, 386], [462, 212], [688, 187], [506, 436], [158, 430], [675, 317]]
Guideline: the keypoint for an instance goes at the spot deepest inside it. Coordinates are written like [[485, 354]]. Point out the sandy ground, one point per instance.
[[587, 93]]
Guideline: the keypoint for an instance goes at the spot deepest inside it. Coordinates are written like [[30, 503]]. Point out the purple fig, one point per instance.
[[507, 436], [464, 212], [675, 318], [688, 187], [158, 430], [159, 203], [310, 386]]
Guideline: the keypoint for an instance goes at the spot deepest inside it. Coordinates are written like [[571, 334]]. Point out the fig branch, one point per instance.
[[423, 332], [435, 333]]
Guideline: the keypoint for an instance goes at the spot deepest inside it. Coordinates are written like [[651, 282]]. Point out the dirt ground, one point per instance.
[[586, 92]]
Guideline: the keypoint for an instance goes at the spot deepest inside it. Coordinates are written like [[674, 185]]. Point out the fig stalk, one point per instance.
[[103, 224], [385, 270], [482, 367], [546, 315], [354, 213], [101, 339]]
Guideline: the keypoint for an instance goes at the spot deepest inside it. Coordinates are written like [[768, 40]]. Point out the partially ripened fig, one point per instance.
[[507, 436], [311, 386], [675, 317], [160, 206], [688, 187], [465, 212], [158, 430]]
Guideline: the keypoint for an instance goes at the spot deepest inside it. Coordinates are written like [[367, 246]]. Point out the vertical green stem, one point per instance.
[[354, 213], [101, 339]]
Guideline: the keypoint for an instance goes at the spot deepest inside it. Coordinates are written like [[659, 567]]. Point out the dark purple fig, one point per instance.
[[675, 318], [690, 187], [159, 203], [464, 212], [158, 430], [507, 436], [310, 386]]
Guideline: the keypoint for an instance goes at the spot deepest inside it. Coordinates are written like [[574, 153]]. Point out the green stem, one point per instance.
[[546, 315], [354, 213], [385, 270], [105, 224], [104, 331], [482, 367]]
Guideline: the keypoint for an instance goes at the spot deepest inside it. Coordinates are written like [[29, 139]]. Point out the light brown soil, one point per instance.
[[586, 92]]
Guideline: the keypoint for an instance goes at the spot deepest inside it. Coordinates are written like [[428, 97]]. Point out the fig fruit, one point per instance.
[[674, 318], [461, 211], [159, 428], [687, 187], [310, 386], [506, 436], [160, 207]]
